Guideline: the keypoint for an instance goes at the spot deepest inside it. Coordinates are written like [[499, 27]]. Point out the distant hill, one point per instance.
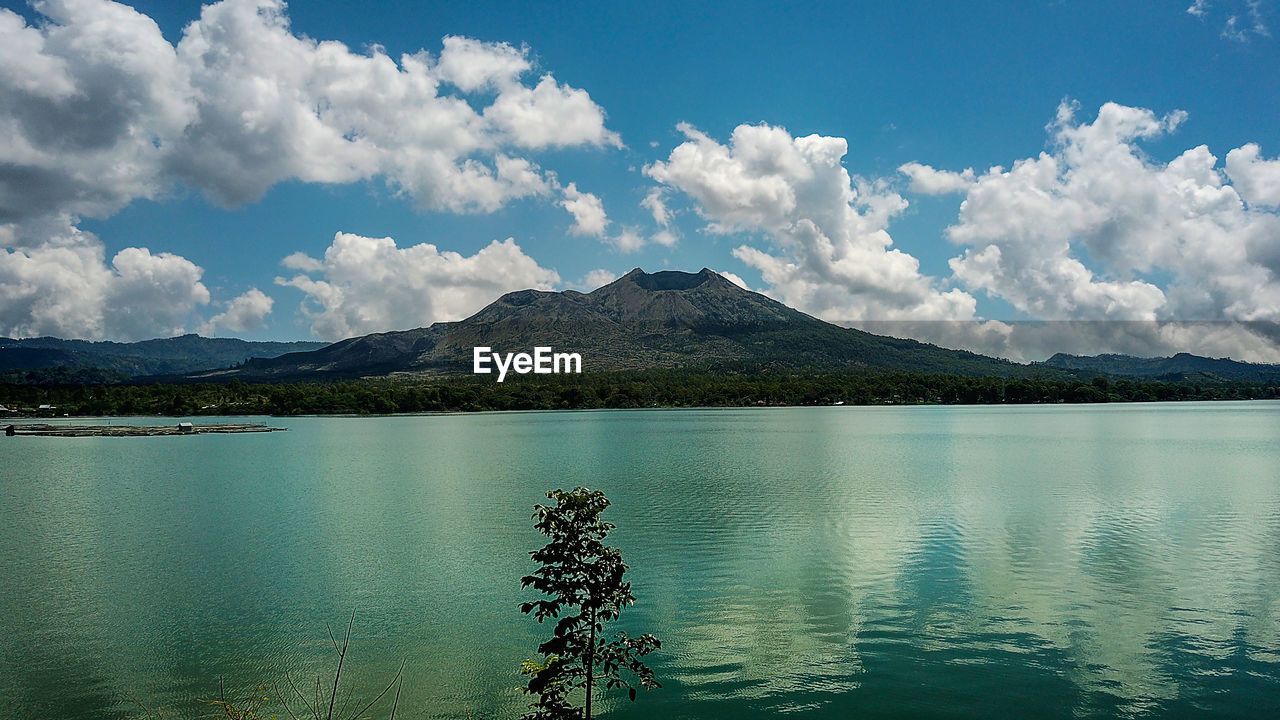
[[642, 320], [167, 356], [1182, 366]]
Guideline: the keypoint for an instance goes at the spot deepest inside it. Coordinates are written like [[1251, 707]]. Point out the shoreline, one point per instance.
[[20, 421], [180, 429]]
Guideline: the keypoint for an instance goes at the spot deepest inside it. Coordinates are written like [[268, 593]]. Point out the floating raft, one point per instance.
[[132, 430]]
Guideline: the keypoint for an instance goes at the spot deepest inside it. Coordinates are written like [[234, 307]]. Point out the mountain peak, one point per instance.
[[671, 279], [641, 320]]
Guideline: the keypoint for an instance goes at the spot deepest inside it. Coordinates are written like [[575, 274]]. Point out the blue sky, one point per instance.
[[162, 160]]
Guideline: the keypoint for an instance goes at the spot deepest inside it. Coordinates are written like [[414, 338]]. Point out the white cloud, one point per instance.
[[371, 285], [928, 181], [587, 210], [1233, 31], [1037, 341], [152, 295], [1090, 230], [302, 261], [88, 105], [734, 279], [595, 279], [1239, 28], [665, 238], [550, 115], [1241, 19], [275, 106], [472, 65], [243, 313], [627, 241], [1167, 242], [63, 286], [1097, 196], [589, 218], [56, 288], [1255, 18], [655, 203], [834, 257], [1257, 181], [98, 109]]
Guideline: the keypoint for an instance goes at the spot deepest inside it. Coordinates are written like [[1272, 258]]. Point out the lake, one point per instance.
[[872, 562]]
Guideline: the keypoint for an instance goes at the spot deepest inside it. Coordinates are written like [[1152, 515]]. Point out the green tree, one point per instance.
[[582, 578]]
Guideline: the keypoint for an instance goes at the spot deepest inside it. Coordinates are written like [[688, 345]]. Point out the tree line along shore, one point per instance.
[[633, 389]]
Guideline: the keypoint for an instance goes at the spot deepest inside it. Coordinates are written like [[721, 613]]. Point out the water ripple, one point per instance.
[[832, 562]]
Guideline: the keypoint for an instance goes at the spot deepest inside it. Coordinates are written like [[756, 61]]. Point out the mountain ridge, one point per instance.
[[1180, 366], [661, 320], [665, 319], [160, 356]]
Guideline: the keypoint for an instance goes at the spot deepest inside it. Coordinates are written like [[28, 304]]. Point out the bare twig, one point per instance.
[[384, 692], [342, 656], [301, 697], [399, 687]]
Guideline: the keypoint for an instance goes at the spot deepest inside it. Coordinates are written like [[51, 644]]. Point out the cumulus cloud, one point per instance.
[[587, 210], [1165, 242], [832, 256], [245, 312], [1257, 181], [273, 106], [1117, 251], [369, 285], [1098, 195], [550, 115], [89, 103], [97, 109], [151, 295], [63, 286], [472, 65]]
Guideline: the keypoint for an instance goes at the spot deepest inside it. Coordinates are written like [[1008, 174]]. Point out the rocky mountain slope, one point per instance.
[[642, 320]]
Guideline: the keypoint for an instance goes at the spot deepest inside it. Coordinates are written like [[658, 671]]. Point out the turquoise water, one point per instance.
[[958, 562]]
